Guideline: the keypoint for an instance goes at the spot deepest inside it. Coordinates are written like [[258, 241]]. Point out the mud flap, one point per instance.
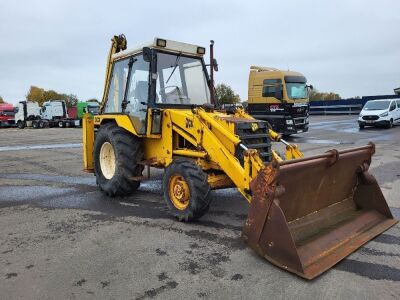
[[308, 214]]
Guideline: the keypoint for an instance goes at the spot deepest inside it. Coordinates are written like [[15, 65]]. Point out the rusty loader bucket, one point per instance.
[[308, 214]]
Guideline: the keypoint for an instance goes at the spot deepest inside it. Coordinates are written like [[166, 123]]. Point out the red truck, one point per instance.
[[7, 113]]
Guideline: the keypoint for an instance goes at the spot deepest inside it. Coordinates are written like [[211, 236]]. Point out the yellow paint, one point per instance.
[[88, 142], [179, 192]]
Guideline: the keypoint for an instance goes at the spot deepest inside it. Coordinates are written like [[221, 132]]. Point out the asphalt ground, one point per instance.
[[61, 238]]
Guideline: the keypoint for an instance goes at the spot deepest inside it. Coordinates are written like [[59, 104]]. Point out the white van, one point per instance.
[[384, 112]]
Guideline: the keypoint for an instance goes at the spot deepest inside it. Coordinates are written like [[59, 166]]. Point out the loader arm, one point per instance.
[[216, 150], [118, 43]]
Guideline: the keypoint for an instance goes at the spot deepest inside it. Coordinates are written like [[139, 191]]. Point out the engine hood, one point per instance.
[[373, 112]]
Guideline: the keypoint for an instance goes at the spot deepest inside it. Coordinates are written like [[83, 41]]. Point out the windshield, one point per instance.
[[296, 90], [376, 105], [94, 110], [181, 80]]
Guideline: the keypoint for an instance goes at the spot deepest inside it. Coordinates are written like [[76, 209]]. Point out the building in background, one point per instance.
[[397, 91]]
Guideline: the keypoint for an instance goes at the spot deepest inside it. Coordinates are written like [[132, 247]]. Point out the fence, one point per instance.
[[343, 107]]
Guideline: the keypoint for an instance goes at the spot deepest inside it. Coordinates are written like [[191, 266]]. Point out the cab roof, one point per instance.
[[270, 69], [170, 46]]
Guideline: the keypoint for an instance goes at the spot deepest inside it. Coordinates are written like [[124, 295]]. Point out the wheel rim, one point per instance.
[[107, 160], [179, 192]]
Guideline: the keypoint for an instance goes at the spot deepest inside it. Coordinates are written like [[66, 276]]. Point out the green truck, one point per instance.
[[75, 113]]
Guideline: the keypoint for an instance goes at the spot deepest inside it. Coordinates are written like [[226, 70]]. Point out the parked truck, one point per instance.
[[279, 97], [7, 115], [51, 114], [76, 112], [27, 114]]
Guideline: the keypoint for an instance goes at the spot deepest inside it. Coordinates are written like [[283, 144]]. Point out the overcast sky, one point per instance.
[[349, 47]]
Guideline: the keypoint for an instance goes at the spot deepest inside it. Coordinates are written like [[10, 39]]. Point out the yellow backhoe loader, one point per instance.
[[305, 214]]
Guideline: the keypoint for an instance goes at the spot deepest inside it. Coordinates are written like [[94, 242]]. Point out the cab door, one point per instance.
[[128, 90], [137, 96], [397, 118]]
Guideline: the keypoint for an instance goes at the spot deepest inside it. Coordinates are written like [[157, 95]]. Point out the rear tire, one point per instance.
[[186, 190], [35, 124], [390, 125], [42, 124], [116, 156], [61, 124]]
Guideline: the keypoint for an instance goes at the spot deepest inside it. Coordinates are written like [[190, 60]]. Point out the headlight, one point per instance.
[[384, 114], [289, 122]]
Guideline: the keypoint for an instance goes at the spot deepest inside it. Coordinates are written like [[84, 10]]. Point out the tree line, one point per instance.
[[315, 95], [40, 95], [224, 94]]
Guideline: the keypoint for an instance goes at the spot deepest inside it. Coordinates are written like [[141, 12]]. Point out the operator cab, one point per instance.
[[162, 74]]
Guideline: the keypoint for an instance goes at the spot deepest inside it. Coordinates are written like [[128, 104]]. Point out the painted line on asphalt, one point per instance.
[[38, 147]]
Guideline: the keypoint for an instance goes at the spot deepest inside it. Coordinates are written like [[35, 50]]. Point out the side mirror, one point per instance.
[[310, 86], [147, 54], [278, 92], [215, 65]]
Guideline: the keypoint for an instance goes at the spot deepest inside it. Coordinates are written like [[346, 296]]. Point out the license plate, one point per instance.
[[300, 130], [369, 122]]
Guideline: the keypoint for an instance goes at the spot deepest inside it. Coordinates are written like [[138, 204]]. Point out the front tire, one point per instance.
[[186, 190], [21, 124], [362, 126], [117, 154], [390, 125]]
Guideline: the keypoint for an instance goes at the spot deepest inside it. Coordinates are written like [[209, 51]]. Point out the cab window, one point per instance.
[[181, 80], [138, 93], [117, 86], [269, 87]]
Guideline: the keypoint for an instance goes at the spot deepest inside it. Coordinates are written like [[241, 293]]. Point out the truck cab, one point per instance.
[[25, 113], [279, 97], [7, 113], [54, 110]]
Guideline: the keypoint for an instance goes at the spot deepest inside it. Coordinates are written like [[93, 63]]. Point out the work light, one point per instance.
[[201, 50], [161, 43]]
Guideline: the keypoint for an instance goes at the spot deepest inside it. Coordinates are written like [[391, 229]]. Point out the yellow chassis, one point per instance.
[[210, 141]]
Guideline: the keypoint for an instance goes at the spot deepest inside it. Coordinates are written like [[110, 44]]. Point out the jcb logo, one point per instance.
[[254, 126], [97, 119], [189, 123]]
